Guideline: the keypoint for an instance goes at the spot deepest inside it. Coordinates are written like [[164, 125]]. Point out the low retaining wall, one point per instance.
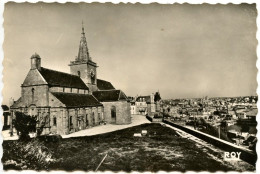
[[149, 118], [156, 120], [246, 155]]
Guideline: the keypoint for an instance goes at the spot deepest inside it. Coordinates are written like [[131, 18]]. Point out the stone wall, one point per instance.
[[151, 109], [81, 118], [34, 78], [84, 70], [246, 155], [37, 95], [61, 115], [123, 113], [35, 90]]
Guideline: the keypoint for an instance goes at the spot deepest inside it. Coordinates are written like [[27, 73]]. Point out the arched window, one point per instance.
[[86, 119], [71, 124], [93, 117], [113, 114], [79, 73], [32, 94], [99, 117], [54, 121]]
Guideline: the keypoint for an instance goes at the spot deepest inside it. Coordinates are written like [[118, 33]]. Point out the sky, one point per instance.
[[180, 50]]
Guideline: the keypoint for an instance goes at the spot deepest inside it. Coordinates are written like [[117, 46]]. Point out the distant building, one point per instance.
[[249, 118], [146, 105], [6, 117], [133, 108], [65, 103]]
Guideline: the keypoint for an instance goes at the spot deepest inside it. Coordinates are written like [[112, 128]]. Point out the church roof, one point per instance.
[[56, 78], [77, 100], [83, 54], [17, 103], [104, 85], [110, 95]]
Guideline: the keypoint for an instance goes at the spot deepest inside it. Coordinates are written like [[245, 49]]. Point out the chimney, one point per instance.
[[36, 61]]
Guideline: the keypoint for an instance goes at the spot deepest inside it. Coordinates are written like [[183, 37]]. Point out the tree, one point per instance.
[[24, 124], [224, 126], [157, 97]]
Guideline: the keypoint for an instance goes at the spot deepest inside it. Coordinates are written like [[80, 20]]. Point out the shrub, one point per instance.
[[24, 124], [26, 155]]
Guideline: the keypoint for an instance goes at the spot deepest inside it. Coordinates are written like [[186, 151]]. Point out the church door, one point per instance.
[[113, 114]]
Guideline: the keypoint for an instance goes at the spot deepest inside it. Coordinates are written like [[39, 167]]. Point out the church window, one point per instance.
[[71, 124], [79, 73], [54, 121], [78, 123], [99, 117], [86, 119], [93, 117], [32, 94]]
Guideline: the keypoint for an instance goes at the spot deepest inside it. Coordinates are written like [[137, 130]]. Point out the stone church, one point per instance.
[[64, 103]]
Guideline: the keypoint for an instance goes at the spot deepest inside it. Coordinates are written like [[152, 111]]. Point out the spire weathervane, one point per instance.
[[83, 28]]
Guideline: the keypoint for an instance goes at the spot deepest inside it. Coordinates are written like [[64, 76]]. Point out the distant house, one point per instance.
[[146, 105], [241, 115], [249, 118], [6, 117], [174, 111], [251, 114], [133, 107]]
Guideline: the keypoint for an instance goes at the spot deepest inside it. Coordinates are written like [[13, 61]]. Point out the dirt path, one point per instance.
[[136, 120]]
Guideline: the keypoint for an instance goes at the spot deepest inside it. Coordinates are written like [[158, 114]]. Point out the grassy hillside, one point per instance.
[[160, 149]]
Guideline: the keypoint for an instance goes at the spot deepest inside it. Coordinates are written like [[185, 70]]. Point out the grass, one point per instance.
[[160, 150]]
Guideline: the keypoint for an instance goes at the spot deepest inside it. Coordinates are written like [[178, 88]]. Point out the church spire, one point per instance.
[[83, 54], [83, 33]]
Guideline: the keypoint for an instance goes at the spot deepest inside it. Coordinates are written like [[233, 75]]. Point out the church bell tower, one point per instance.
[[83, 66]]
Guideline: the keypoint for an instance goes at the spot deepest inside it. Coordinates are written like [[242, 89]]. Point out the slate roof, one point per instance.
[[77, 100], [104, 85], [17, 103], [252, 112], [56, 78], [146, 98], [110, 95]]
